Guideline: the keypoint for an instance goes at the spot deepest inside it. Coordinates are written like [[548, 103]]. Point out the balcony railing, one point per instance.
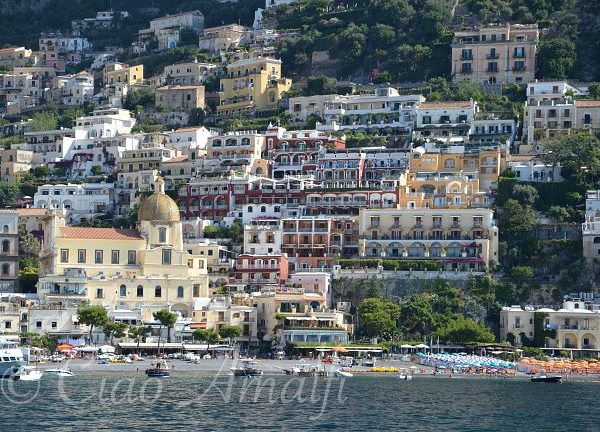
[[492, 56]]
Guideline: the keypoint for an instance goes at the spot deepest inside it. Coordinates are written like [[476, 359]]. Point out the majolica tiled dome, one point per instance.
[[159, 207]]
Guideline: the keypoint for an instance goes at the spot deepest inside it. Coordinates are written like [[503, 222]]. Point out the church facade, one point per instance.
[[142, 270]]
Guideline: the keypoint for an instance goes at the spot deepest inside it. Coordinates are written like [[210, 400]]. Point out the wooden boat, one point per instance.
[[248, 368], [546, 378], [159, 370]]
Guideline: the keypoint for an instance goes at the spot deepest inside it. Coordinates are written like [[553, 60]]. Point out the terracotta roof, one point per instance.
[[446, 104], [587, 103], [32, 212], [100, 233], [176, 159]]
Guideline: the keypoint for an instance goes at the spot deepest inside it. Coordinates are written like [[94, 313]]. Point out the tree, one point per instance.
[[516, 219], [143, 97], [578, 154], [92, 316], [9, 194], [594, 90], [463, 330], [416, 317], [166, 319], [138, 333], [556, 58], [558, 214], [525, 194], [40, 341], [210, 336], [230, 332], [96, 170], [114, 330], [45, 120], [320, 85]]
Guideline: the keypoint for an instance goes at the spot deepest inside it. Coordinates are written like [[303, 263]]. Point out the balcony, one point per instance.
[[492, 69], [466, 71], [492, 56], [519, 55], [519, 68], [466, 57]]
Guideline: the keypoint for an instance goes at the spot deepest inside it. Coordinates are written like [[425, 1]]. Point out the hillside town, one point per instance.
[[195, 184]]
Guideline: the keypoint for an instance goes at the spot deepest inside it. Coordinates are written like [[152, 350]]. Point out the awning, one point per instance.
[[301, 319], [198, 325]]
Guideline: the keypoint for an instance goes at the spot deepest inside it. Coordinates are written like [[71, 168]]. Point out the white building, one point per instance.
[[104, 123], [446, 121], [263, 236], [535, 170], [193, 20], [75, 89], [77, 201], [275, 3], [184, 139], [382, 109], [64, 44]]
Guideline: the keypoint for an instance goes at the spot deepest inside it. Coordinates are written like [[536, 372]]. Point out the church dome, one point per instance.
[[159, 207]]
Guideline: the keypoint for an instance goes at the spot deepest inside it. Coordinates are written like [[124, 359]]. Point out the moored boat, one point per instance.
[[11, 357], [342, 374], [159, 369], [248, 368], [59, 372], [404, 377], [547, 378], [27, 373]]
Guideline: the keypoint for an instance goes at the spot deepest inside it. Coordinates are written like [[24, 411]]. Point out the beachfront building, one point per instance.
[[495, 54], [457, 238], [142, 269], [252, 84], [9, 250], [214, 313], [575, 326]]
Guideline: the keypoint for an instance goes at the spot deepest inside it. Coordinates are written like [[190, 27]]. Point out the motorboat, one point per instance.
[[59, 372], [27, 373], [547, 378], [306, 370], [11, 357], [342, 374], [404, 377], [159, 369], [248, 368]]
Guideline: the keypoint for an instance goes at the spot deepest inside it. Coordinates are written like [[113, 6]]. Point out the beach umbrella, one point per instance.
[[64, 347], [339, 349]]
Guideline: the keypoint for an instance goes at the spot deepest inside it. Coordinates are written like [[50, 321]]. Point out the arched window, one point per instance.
[[5, 269], [263, 209], [179, 292], [5, 246], [162, 235], [157, 291], [249, 209], [5, 229], [140, 291], [122, 291]]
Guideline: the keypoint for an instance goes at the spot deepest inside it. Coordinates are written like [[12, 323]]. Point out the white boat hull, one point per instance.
[[343, 374]]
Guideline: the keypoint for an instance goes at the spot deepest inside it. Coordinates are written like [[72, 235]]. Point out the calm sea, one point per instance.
[[190, 403]]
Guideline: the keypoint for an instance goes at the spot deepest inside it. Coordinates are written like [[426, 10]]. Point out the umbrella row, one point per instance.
[[463, 361]]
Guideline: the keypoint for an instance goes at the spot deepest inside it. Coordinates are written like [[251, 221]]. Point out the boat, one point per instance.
[[11, 357], [547, 378], [306, 370], [248, 368], [159, 369], [27, 373], [59, 372], [404, 377], [342, 374]]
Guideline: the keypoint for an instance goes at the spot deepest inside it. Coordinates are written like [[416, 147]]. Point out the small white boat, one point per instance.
[[404, 377], [59, 372], [342, 374], [27, 373]]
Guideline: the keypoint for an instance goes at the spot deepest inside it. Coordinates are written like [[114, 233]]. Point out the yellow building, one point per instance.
[[440, 192], [482, 163], [457, 238], [123, 73], [141, 270], [252, 84]]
